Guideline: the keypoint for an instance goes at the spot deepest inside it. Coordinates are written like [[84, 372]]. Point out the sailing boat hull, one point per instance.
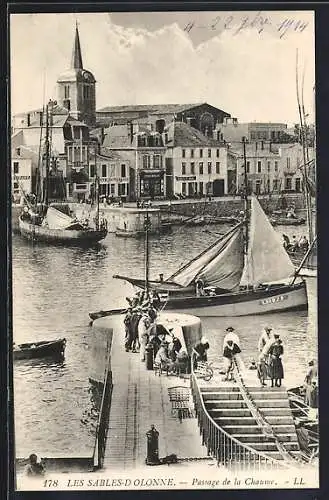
[[34, 232], [244, 303]]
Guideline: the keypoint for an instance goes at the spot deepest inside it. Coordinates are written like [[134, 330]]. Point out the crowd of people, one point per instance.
[[142, 332], [295, 244]]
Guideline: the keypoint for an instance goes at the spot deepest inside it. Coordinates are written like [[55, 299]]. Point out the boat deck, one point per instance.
[[140, 398]]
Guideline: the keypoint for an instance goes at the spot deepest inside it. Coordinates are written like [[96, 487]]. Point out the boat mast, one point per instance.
[[245, 194], [147, 226], [305, 187], [97, 189]]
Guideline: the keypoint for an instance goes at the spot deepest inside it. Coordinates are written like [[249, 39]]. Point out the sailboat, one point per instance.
[[235, 283], [46, 223]]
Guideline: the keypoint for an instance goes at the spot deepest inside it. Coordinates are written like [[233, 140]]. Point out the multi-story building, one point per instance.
[[24, 164], [143, 151], [201, 116], [270, 167], [233, 132], [196, 165]]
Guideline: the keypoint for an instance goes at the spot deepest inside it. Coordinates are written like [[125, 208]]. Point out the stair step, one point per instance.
[[238, 402], [279, 412], [250, 420], [216, 409], [224, 388], [267, 394], [227, 404], [283, 437], [277, 455], [271, 446], [229, 412], [223, 396], [253, 429]]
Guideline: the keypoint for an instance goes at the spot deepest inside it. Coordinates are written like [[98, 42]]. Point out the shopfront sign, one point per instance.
[[151, 174], [187, 178]]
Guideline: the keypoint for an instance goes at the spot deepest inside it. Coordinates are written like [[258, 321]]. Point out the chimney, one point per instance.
[[28, 119], [40, 118]]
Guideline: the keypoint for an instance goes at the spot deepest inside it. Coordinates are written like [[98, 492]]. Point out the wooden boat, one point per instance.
[[236, 284], [203, 220], [287, 221], [42, 349], [74, 234], [43, 222]]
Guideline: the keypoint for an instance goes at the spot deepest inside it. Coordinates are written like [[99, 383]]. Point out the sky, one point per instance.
[[241, 62]]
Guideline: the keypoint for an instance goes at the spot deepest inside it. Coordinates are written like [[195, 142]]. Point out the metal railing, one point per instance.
[[227, 450], [103, 420], [266, 428]]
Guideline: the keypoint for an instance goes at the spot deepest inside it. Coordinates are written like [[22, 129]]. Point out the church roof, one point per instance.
[[76, 61], [150, 108]]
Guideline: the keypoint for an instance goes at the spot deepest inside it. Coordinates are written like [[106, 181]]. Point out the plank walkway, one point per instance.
[[140, 399]]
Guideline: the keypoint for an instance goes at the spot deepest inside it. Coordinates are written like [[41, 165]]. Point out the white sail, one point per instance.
[[266, 261], [58, 220], [188, 273], [225, 270]]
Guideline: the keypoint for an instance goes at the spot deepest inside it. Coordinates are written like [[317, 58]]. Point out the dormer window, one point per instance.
[[66, 91], [18, 151]]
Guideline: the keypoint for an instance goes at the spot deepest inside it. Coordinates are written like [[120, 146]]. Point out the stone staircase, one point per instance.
[[226, 406]]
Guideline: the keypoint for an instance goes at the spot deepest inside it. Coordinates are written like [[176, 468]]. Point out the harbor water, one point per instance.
[[54, 288]]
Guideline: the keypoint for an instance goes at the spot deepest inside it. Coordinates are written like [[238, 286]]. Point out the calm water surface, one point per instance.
[[54, 288]]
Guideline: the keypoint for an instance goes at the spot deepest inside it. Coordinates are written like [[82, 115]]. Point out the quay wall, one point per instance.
[[227, 206]]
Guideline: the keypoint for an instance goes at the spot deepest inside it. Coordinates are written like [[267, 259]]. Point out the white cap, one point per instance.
[[204, 340]]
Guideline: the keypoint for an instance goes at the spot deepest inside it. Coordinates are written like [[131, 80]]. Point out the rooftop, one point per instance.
[[182, 134], [151, 108]]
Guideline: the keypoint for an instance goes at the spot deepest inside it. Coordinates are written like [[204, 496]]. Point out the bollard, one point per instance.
[[152, 447], [149, 356]]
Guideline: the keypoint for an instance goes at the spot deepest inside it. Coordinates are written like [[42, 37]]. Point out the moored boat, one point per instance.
[[41, 349], [235, 283], [287, 221]]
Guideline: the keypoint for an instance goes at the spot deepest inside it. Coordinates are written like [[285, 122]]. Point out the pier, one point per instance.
[[140, 398]]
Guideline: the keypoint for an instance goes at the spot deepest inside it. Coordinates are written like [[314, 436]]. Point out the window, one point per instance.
[[201, 188], [183, 153], [183, 187], [86, 92], [248, 167], [268, 166], [15, 185], [259, 167], [253, 136], [192, 168], [192, 153], [16, 167], [288, 163], [183, 168], [217, 153], [104, 170], [209, 153], [288, 184], [66, 92], [276, 166], [217, 167], [123, 170], [92, 171], [18, 151], [157, 163], [112, 188], [209, 167], [201, 153], [146, 161], [297, 185], [275, 184], [201, 168], [258, 184]]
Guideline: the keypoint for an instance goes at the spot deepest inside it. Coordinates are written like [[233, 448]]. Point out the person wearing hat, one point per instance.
[[275, 366], [34, 468], [265, 337], [143, 333], [231, 335], [162, 359], [128, 329], [200, 351], [312, 373], [230, 349], [174, 346]]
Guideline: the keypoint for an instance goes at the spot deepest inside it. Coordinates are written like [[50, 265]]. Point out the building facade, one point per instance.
[[270, 168], [196, 165], [233, 132]]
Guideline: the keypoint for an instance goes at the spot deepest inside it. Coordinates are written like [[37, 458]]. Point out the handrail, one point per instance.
[[228, 451], [261, 421]]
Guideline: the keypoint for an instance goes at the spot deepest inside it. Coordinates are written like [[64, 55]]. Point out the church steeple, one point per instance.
[[76, 62]]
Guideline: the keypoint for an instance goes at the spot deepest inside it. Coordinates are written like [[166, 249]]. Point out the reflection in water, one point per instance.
[[54, 288]]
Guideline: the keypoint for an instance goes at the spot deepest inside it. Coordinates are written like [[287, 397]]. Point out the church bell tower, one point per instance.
[[77, 87]]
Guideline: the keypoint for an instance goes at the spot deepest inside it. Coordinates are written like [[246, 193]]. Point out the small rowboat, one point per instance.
[[43, 349]]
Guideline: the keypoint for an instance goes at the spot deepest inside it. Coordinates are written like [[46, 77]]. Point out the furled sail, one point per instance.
[[203, 262], [225, 270], [266, 261], [58, 220], [311, 259]]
